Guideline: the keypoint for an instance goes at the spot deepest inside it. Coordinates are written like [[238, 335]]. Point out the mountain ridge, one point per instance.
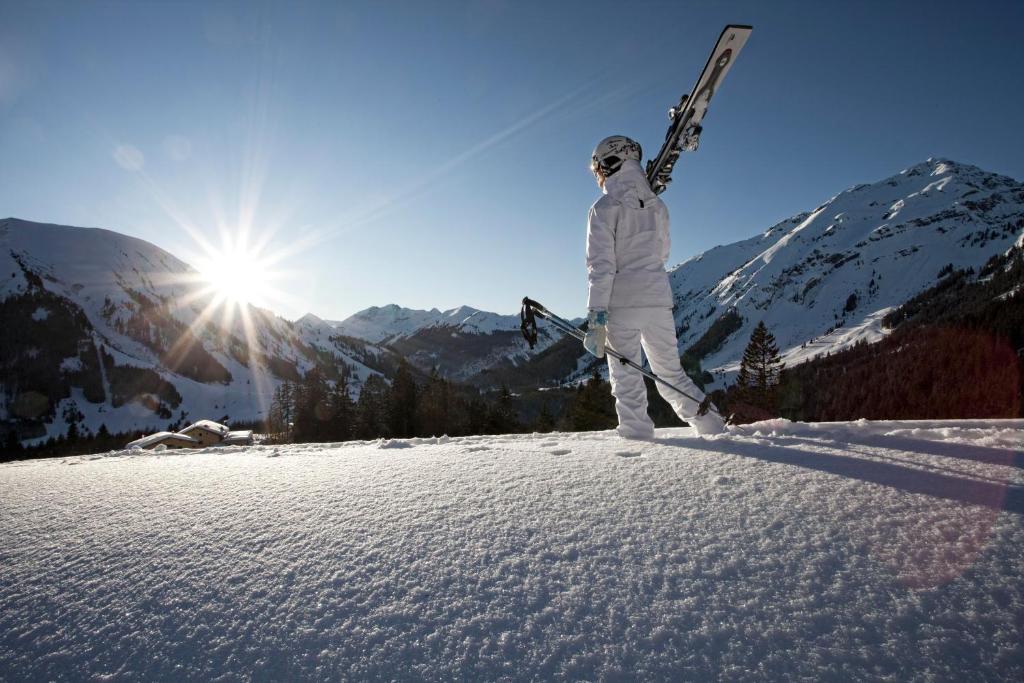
[[836, 270], [105, 328], [118, 330]]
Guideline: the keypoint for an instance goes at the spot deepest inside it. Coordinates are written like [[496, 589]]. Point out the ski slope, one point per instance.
[[826, 551]]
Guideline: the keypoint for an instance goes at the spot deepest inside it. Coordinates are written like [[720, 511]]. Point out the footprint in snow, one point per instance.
[[628, 454], [560, 451], [476, 449]]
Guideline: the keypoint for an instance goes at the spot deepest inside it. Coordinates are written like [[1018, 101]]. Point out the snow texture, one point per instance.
[[787, 551]]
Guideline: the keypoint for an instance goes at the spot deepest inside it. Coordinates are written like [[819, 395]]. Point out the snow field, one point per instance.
[[843, 551]]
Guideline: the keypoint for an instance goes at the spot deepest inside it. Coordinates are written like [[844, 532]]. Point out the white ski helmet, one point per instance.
[[611, 152]]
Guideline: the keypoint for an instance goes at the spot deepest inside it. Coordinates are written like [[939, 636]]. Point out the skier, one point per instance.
[[630, 300]]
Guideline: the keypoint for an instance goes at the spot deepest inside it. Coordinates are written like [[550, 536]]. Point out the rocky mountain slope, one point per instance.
[[461, 342], [823, 280], [102, 328]]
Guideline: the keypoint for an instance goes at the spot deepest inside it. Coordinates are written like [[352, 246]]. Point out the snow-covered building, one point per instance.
[[166, 439], [207, 432], [242, 437], [199, 434]]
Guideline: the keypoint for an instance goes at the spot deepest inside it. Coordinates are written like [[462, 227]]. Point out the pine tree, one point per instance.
[[593, 407], [501, 419], [279, 418], [312, 408], [342, 411], [545, 420], [371, 414], [12, 446], [477, 415], [402, 408], [759, 374], [433, 409]]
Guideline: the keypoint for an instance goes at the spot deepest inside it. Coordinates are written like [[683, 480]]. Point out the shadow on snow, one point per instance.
[[966, 488]]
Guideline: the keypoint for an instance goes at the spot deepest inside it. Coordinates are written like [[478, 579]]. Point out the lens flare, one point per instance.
[[238, 273]]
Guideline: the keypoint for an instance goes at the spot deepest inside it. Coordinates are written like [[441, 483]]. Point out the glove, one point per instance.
[[597, 333]]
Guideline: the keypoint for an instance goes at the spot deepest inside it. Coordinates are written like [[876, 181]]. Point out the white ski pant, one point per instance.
[[654, 330]]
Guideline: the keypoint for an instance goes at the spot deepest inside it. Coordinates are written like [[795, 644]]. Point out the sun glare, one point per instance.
[[237, 274], [235, 277]]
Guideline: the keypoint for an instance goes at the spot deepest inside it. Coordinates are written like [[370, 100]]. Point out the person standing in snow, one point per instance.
[[629, 299]]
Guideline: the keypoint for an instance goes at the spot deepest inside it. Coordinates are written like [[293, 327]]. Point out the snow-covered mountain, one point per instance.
[[824, 279], [383, 324], [461, 342], [103, 328]]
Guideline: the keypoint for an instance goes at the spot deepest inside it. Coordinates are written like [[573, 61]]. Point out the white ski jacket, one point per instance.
[[627, 244]]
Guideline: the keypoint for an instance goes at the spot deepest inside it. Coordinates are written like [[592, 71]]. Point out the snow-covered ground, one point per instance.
[[841, 551]]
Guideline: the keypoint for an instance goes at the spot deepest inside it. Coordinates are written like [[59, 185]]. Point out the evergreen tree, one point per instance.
[[402, 406], [371, 417], [434, 407], [341, 421], [501, 418], [477, 416], [545, 420], [12, 446], [282, 409], [312, 408], [758, 380], [593, 407]]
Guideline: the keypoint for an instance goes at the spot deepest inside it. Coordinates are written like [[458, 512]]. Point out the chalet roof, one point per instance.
[[243, 436], [208, 425], [157, 438]]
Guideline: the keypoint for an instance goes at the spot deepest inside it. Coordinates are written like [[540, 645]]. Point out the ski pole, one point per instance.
[[529, 328]]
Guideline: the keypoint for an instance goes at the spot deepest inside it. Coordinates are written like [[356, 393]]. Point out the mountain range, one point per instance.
[[102, 328]]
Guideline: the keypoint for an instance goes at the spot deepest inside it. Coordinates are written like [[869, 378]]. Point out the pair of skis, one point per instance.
[[684, 133], [683, 136]]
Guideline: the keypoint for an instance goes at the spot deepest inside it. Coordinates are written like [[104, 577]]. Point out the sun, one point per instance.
[[236, 277], [237, 273]]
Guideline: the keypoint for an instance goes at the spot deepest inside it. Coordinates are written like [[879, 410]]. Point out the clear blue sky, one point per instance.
[[435, 153]]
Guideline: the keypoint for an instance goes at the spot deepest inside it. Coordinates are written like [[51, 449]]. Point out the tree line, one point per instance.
[[314, 409], [956, 350]]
